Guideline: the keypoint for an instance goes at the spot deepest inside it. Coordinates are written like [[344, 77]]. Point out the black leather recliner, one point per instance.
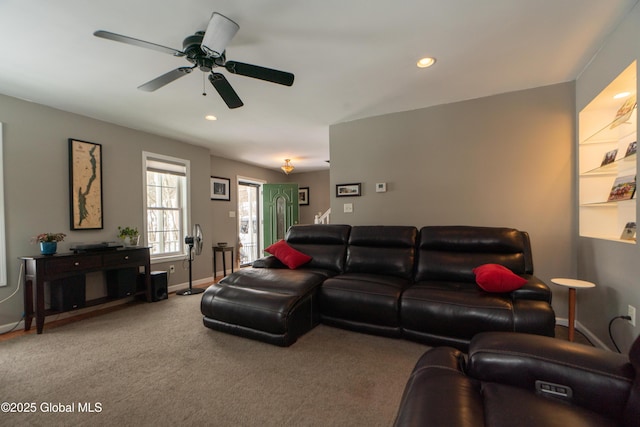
[[511, 379]]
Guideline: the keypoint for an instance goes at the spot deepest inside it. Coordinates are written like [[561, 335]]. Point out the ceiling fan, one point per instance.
[[206, 51]]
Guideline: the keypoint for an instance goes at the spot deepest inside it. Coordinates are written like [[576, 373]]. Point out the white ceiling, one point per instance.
[[351, 59]]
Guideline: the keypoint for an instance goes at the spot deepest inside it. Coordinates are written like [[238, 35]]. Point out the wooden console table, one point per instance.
[[45, 268]]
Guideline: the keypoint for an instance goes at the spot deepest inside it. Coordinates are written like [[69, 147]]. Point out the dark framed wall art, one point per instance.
[[85, 185], [303, 196], [348, 190], [220, 188]]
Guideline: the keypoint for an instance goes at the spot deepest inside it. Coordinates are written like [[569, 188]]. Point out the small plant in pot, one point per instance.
[[49, 242], [130, 236]]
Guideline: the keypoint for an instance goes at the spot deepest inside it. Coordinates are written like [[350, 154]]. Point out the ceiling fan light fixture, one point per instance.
[[287, 168], [219, 33]]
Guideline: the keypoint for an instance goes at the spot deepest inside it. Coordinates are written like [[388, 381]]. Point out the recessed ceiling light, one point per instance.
[[621, 95], [211, 117], [426, 62]]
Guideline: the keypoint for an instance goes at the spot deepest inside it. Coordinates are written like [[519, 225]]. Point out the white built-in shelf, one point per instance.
[[601, 134]]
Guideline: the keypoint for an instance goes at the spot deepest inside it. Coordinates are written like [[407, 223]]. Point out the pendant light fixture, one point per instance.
[[287, 168]]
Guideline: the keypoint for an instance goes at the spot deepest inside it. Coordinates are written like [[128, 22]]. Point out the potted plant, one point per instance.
[[130, 236], [49, 242]]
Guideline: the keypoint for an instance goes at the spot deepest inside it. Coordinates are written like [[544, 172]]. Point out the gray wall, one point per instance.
[[613, 266], [37, 188], [319, 200], [37, 184], [504, 160]]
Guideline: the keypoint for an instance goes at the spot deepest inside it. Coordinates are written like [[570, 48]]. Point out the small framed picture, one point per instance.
[[303, 196], [609, 157], [623, 188], [632, 148], [629, 232], [348, 190], [381, 187], [220, 188]]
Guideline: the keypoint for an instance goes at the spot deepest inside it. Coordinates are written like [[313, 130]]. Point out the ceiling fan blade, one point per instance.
[[257, 72], [136, 42], [226, 92], [165, 79]]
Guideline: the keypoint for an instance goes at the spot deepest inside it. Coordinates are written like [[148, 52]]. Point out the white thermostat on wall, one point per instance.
[[381, 187]]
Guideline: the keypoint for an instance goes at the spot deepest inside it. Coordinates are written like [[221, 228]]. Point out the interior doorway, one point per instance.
[[249, 220]]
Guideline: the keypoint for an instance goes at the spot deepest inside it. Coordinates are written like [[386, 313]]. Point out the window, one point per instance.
[[166, 182]]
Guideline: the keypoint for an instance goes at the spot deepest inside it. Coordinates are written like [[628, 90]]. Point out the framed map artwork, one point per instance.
[[85, 185]]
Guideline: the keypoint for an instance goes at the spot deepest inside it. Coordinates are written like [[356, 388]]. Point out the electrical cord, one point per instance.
[[17, 287], [10, 296], [611, 335], [14, 327]]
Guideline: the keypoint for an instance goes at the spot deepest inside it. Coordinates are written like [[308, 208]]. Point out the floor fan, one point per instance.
[[195, 248]]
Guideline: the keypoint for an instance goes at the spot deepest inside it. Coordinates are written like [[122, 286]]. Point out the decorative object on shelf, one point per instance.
[[130, 236], [624, 113], [220, 188], [609, 157], [222, 244], [348, 190], [623, 188], [631, 149], [303, 196], [287, 168], [629, 232], [85, 185], [49, 242]]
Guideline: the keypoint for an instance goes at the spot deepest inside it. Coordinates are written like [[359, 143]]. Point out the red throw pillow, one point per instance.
[[287, 255], [497, 278]]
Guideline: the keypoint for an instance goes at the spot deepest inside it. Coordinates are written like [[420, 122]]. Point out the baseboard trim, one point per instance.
[[181, 286], [585, 331], [65, 315]]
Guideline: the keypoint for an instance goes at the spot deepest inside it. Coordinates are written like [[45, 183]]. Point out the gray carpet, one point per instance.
[[156, 364]]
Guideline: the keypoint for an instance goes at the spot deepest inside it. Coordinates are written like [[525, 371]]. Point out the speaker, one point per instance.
[[68, 294], [121, 282], [159, 285]]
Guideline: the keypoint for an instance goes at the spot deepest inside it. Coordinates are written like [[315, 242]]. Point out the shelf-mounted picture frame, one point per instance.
[[624, 187], [609, 157], [303, 196], [85, 185], [632, 148], [349, 190], [220, 188]]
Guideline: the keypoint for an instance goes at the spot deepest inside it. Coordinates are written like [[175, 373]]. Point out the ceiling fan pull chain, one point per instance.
[[204, 85]]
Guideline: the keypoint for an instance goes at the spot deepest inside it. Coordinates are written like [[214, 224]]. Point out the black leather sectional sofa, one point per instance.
[[395, 281]]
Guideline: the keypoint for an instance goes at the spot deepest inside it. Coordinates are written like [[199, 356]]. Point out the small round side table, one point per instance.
[[572, 284]]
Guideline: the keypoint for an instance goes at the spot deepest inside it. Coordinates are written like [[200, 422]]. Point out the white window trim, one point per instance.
[[146, 155], [3, 239]]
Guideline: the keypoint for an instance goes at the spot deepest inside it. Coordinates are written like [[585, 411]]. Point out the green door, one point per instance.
[[280, 204]]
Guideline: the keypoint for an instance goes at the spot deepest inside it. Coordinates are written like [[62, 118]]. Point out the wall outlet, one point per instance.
[[632, 313], [172, 269]]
